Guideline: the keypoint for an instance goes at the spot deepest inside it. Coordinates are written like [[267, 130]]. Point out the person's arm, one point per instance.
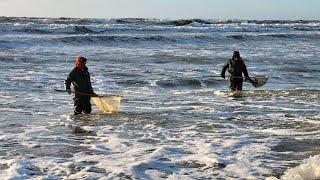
[[90, 85], [223, 72], [69, 80], [245, 71]]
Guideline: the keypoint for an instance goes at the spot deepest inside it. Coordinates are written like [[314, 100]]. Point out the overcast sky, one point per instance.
[[164, 9]]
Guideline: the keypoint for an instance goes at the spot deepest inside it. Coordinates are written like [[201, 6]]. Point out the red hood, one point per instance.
[[80, 62]]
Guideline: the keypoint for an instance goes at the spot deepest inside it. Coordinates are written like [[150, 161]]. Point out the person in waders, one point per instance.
[[235, 67], [79, 77]]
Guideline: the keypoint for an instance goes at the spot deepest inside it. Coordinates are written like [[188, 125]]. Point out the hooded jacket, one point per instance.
[[80, 80], [235, 69]]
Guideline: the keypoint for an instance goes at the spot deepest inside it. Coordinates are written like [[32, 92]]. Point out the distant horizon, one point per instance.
[[164, 9], [39, 17]]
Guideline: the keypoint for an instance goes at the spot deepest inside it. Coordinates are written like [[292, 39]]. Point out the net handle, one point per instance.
[[85, 94]]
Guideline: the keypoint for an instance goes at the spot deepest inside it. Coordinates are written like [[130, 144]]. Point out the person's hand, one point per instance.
[[69, 91], [94, 94], [252, 81], [223, 76]]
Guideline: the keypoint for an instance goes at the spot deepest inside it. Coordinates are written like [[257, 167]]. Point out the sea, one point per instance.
[[178, 119]]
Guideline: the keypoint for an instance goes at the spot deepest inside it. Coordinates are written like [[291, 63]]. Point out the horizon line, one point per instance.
[[217, 19]]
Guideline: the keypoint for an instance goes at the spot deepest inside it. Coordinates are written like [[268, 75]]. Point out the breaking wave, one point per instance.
[[92, 26]]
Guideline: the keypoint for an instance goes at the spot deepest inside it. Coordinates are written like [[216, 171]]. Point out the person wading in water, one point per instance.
[[79, 77], [235, 67]]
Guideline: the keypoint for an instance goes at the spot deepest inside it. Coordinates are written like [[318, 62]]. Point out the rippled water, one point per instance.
[[178, 119]]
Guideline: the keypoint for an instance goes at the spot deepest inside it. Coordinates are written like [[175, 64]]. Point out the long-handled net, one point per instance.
[[256, 81], [259, 80], [107, 104]]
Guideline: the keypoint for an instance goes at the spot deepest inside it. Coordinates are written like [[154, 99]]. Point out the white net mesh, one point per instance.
[[108, 104], [260, 80]]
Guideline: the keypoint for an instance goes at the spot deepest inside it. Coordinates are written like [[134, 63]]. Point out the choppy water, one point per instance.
[[178, 120]]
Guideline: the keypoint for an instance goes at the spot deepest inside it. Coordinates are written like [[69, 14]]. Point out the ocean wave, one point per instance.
[[309, 169], [32, 28], [267, 36], [298, 93], [132, 20], [307, 28], [4, 19], [167, 58], [82, 29], [184, 22], [63, 20], [86, 39], [178, 22], [113, 38], [159, 39], [190, 83], [132, 82], [79, 21], [136, 30], [21, 40], [140, 25], [181, 22], [282, 21]]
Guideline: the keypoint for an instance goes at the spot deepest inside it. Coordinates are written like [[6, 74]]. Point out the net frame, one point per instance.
[[260, 80], [107, 104]]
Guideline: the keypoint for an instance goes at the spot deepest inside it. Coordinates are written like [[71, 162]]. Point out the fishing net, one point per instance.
[[107, 104], [259, 80]]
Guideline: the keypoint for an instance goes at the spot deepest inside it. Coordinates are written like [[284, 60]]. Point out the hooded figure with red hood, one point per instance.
[[79, 77], [235, 67]]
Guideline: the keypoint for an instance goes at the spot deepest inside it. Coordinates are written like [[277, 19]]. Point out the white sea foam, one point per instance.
[[309, 169], [31, 144], [70, 123], [16, 169]]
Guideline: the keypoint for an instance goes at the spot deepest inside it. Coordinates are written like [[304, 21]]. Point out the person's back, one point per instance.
[[80, 79]]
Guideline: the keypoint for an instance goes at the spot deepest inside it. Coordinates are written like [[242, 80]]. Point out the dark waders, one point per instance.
[[82, 104], [235, 84]]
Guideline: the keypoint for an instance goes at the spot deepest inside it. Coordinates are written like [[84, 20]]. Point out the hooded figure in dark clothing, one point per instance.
[[235, 67], [79, 77]]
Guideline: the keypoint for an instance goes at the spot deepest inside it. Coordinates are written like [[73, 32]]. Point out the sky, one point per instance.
[[165, 9]]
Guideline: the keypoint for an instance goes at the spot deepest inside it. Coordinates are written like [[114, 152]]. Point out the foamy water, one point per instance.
[[178, 120]]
